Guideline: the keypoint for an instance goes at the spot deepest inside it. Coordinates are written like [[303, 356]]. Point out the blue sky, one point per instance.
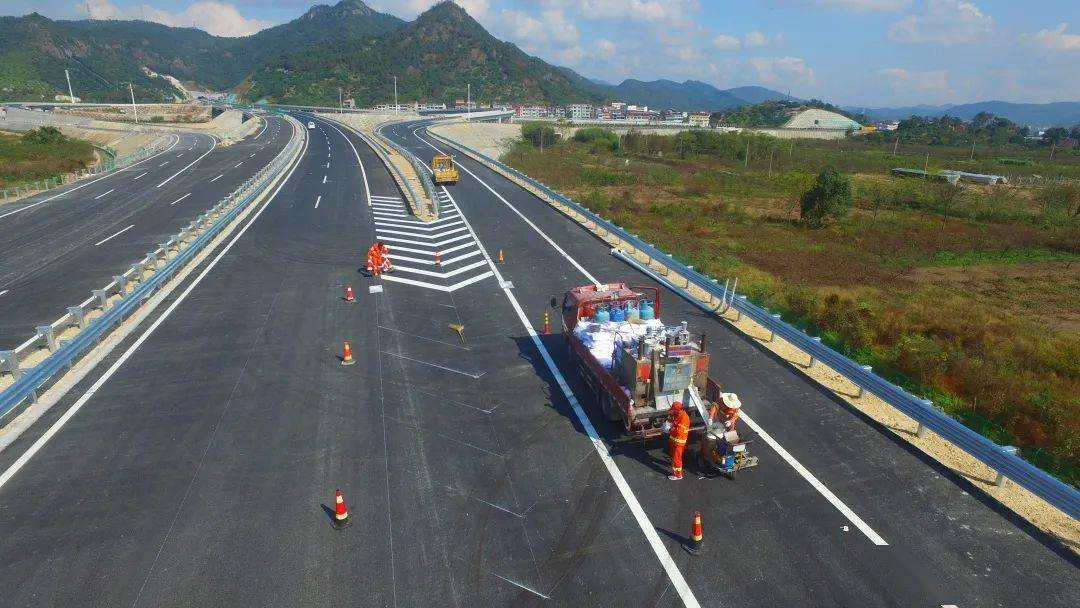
[[864, 52]]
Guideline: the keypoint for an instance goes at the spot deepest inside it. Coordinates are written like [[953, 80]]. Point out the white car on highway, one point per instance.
[[311, 124]]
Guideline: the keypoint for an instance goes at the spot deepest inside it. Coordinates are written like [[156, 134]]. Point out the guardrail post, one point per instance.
[[46, 332], [1011, 450], [868, 369], [812, 359], [102, 297], [78, 315], [150, 261], [772, 332], [9, 362], [121, 283], [137, 271], [920, 431]]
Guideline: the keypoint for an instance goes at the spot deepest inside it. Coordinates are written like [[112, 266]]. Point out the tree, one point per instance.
[[538, 134], [830, 196], [43, 135], [1054, 135], [946, 194]]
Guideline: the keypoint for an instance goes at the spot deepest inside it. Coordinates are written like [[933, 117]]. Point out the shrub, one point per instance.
[[599, 139], [43, 136], [830, 196]]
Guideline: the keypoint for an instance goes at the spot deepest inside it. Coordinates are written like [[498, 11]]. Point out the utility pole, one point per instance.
[[340, 104], [134, 109], [896, 145], [468, 111], [395, 95], [71, 96], [972, 150], [746, 161]]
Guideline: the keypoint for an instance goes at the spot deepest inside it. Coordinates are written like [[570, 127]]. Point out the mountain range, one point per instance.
[[348, 46], [352, 48], [1038, 115]]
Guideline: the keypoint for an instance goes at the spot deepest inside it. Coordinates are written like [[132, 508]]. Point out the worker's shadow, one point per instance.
[[641, 452]]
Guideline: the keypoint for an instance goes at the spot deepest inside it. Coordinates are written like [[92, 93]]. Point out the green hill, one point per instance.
[[433, 57]]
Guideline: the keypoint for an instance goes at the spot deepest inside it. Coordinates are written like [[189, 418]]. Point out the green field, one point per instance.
[[971, 298], [39, 155]]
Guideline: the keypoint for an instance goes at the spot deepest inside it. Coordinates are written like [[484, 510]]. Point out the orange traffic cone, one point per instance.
[[341, 512], [349, 297], [696, 536], [547, 324], [502, 259], [346, 355], [438, 258]]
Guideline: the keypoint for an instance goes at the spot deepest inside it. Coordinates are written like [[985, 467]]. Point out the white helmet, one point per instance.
[[731, 400]]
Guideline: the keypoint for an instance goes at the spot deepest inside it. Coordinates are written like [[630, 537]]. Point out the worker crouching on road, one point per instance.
[[732, 407], [378, 260], [678, 430]]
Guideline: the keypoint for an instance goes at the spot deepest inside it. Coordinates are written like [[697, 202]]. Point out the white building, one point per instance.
[[699, 119], [580, 111]]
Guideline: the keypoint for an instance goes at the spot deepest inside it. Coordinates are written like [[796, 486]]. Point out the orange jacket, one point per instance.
[[680, 426]]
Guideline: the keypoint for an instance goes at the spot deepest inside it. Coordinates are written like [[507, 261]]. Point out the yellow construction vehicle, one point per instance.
[[443, 170]]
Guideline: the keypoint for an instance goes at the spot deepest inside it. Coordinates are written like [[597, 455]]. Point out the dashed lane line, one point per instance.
[[213, 144], [109, 238], [217, 178], [317, 201], [139, 176], [109, 191], [179, 199]]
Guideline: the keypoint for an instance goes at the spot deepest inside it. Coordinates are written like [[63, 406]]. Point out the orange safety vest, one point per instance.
[[680, 427]]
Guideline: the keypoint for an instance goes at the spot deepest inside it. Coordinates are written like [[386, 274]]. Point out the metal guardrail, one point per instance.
[[185, 245], [418, 166], [1002, 459]]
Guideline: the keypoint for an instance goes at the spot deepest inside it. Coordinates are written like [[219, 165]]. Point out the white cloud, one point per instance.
[[216, 18], [945, 22], [726, 43], [929, 86], [755, 38], [604, 48], [644, 11], [790, 70], [1056, 39]]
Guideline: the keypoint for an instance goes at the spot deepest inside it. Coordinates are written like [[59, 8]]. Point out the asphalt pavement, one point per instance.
[[60, 245], [201, 471]]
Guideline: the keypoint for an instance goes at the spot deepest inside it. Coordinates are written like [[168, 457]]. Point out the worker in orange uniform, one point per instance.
[[377, 262], [732, 407], [678, 429], [385, 251]]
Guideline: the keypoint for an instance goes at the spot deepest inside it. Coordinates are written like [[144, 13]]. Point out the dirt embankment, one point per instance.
[[489, 138]]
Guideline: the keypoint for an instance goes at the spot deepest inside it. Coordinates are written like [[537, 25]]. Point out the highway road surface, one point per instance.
[[61, 244], [197, 468]]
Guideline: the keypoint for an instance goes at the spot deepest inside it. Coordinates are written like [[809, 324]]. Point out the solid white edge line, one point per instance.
[[647, 528], [799, 467], [21, 461], [106, 176], [213, 144], [523, 218], [109, 238]]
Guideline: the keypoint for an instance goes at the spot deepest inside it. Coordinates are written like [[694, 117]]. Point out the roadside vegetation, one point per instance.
[[969, 296], [38, 154]]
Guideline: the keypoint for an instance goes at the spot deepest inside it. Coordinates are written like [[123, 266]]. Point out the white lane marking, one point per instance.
[[217, 178], [104, 193], [252, 155], [328, 165], [139, 176], [647, 528], [580, 268], [3, 292], [163, 164], [213, 144], [324, 179], [261, 131], [802, 470], [21, 461], [80, 187], [363, 172], [317, 201], [179, 155], [179, 199], [238, 164], [109, 238], [815, 483]]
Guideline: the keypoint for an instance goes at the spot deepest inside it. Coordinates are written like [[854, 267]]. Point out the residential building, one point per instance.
[[699, 120]]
